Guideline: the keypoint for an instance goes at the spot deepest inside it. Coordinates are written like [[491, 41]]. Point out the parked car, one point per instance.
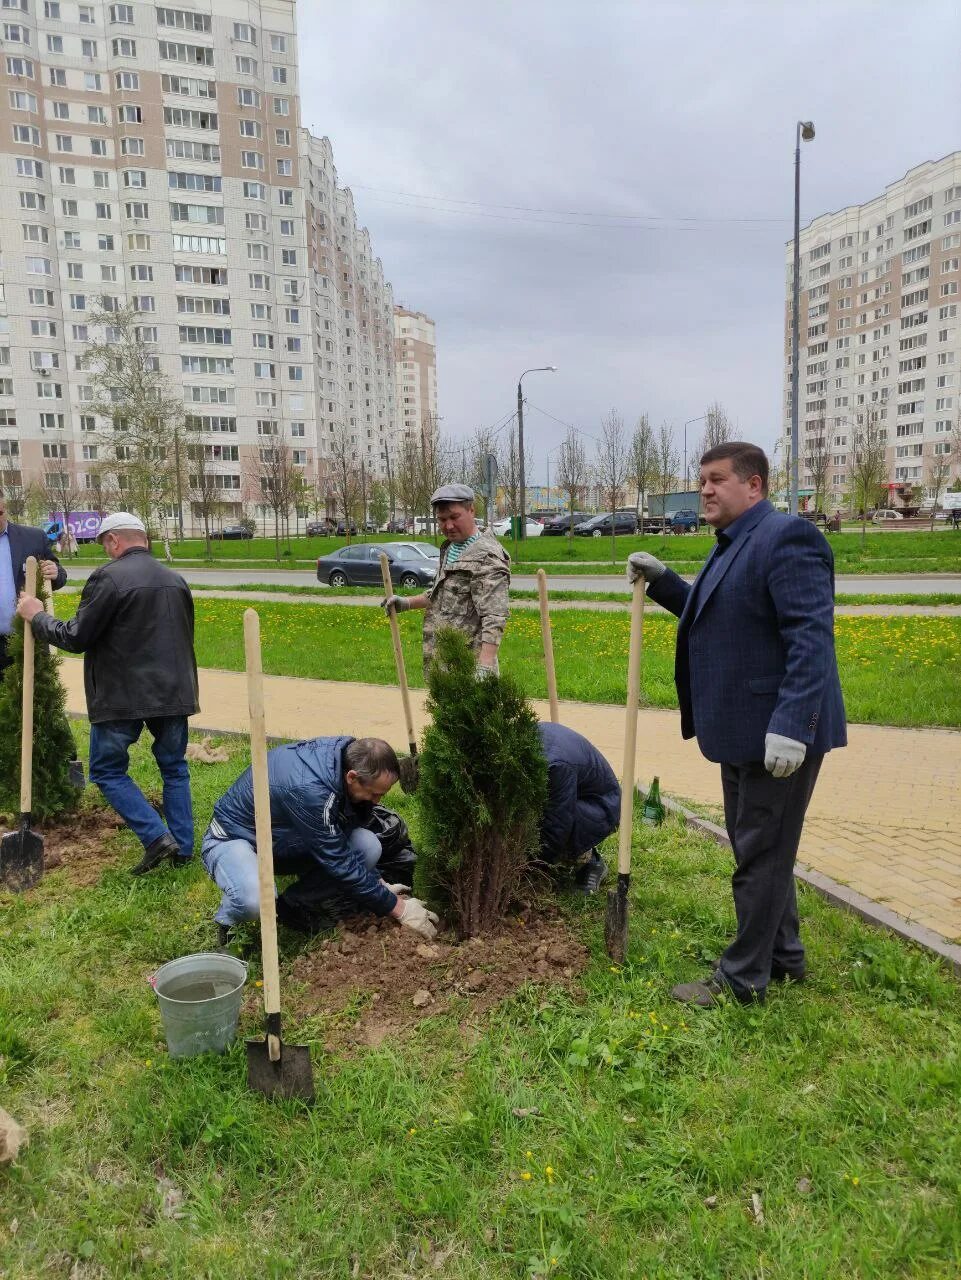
[[817, 517], [886, 513], [396, 526], [320, 528], [503, 528], [685, 521], [359, 565], [425, 549], [606, 523], [560, 524], [341, 529], [232, 531]]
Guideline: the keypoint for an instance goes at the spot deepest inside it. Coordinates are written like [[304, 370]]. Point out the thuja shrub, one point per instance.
[[53, 746], [482, 789]]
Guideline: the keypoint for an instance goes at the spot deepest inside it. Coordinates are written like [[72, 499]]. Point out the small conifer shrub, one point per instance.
[[483, 785]]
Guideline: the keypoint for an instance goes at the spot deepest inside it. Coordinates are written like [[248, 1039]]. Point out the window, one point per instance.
[[281, 106], [127, 80], [295, 373], [92, 80], [15, 34], [263, 341], [246, 66], [286, 227], [49, 391], [282, 137], [248, 97], [245, 32], [220, 366], [27, 168], [294, 345], [181, 149], [51, 8], [264, 370], [54, 44], [85, 13], [121, 13], [288, 257], [135, 178], [279, 75], [33, 200], [103, 211], [20, 67], [183, 20], [27, 133], [285, 196], [200, 275], [298, 430], [35, 232], [206, 334], [98, 147], [78, 302], [38, 267], [203, 213], [143, 302], [250, 129], [129, 114], [292, 315], [43, 328], [951, 218], [204, 306], [131, 146], [258, 252], [255, 191], [278, 44], [142, 273], [137, 209], [189, 86], [248, 159], [74, 270], [71, 240], [79, 332], [194, 181], [88, 48], [199, 244], [40, 297], [257, 280], [213, 422], [188, 119], [194, 54], [210, 395], [948, 289], [260, 310]]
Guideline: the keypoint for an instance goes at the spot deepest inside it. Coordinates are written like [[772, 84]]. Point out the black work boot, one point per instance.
[[162, 849], [591, 875]]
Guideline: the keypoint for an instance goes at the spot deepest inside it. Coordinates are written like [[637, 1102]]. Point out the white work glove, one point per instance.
[[782, 756], [398, 603], [416, 916], [642, 565], [398, 890]]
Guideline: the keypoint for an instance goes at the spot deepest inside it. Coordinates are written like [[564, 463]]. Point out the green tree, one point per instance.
[[482, 790], [53, 746], [379, 503]]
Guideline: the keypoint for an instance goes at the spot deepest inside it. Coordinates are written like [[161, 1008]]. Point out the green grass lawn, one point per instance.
[[643, 1133], [894, 670]]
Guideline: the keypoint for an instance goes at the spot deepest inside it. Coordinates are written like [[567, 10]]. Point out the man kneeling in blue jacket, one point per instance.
[[322, 793], [583, 804]]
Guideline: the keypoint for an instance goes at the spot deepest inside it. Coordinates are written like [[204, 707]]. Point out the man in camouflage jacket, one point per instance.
[[470, 592]]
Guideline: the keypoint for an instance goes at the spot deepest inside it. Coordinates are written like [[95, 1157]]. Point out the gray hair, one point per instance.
[[370, 757]]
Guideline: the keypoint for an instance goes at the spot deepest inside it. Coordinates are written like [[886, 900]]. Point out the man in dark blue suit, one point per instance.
[[757, 682], [17, 542]]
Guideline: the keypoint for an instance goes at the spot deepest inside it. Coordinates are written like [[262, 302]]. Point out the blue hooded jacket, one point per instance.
[[310, 814]]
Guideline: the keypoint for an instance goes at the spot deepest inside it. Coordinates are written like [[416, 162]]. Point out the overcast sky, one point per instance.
[[609, 187]]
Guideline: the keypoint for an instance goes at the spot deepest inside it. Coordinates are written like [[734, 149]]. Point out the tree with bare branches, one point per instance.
[[869, 462], [61, 491], [573, 473], [817, 460], [666, 464], [642, 461], [275, 477], [611, 466], [144, 413], [345, 474]]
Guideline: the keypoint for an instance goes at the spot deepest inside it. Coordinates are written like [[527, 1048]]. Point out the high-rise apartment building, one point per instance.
[[415, 357], [879, 332], [152, 156]]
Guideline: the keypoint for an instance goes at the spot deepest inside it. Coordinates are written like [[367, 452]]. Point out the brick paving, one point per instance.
[[885, 818]]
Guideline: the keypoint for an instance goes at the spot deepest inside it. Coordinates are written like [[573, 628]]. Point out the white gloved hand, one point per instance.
[[398, 603], [642, 565], [398, 890], [416, 916], [782, 756]]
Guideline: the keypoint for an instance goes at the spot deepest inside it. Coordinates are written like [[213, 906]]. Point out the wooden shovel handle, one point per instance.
[[26, 736], [398, 656], [265, 847], [548, 640], [626, 832]]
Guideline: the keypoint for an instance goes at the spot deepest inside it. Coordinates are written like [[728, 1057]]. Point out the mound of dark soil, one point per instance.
[[80, 845], [396, 978]]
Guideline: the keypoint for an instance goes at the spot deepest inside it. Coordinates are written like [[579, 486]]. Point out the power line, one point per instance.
[[672, 221], [560, 421]]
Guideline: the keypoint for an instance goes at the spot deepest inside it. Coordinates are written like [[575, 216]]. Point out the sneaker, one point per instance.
[[591, 875], [164, 848]]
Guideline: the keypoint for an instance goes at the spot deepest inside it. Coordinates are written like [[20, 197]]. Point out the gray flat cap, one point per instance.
[[452, 493]]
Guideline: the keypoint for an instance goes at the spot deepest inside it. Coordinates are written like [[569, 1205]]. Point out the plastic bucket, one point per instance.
[[200, 998]]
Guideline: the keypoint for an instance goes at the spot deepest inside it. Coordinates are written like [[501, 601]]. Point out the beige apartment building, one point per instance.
[[879, 330], [415, 362], [152, 155]]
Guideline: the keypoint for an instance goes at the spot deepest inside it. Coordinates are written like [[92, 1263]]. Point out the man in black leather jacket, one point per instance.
[[135, 626]]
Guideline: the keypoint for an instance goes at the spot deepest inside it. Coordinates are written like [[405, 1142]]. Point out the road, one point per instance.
[[864, 584]]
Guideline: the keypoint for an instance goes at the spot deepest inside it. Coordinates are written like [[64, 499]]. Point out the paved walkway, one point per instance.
[[884, 818]]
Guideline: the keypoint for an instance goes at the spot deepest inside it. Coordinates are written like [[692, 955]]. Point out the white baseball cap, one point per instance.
[[120, 520]]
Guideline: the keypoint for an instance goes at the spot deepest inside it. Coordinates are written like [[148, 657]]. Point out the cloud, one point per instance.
[[546, 119]]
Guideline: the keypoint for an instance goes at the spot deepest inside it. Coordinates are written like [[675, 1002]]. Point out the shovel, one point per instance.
[[548, 641], [274, 1068], [409, 768], [21, 852], [615, 923]]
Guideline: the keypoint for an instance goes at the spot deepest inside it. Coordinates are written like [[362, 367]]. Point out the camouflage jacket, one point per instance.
[[471, 596]]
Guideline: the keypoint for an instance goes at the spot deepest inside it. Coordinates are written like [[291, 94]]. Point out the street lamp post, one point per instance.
[[687, 424], [544, 368], [805, 130]]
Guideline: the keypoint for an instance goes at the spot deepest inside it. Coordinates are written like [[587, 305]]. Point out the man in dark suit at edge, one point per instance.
[[757, 683], [17, 543]]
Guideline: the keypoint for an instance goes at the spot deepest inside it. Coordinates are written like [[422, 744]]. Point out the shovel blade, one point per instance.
[[615, 921], [291, 1076], [21, 859], [409, 774]]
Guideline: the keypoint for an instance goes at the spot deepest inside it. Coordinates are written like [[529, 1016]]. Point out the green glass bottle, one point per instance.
[[654, 811]]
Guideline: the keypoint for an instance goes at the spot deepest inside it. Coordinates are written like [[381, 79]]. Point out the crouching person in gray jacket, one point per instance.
[[322, 794]]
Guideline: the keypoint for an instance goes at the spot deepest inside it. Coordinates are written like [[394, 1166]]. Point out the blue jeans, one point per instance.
[[232, 865], [110, 743]]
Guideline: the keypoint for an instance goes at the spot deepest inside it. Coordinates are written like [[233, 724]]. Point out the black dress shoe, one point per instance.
[[710, 992], [788, 975], [164, 848]]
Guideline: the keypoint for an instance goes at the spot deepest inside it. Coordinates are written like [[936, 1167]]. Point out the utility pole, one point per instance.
[[805, 130]]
